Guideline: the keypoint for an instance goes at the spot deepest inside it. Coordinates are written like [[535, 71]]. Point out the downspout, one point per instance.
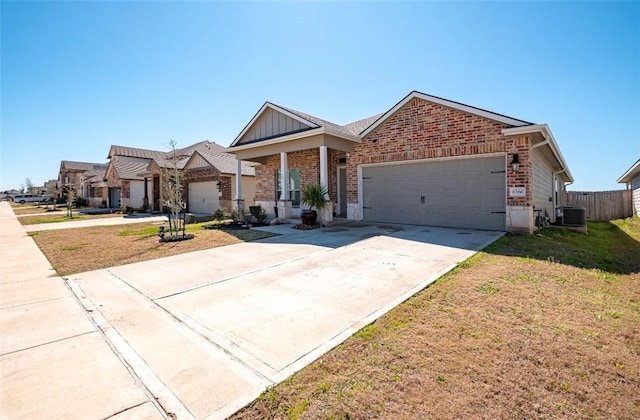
[[555, 194]]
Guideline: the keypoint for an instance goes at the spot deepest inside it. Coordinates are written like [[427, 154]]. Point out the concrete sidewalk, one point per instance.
[[104, 221], [54, 362]]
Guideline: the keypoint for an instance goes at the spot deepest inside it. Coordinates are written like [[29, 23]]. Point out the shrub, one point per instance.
[[219, 214]]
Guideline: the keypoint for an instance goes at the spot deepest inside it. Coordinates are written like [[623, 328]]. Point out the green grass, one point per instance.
[[143, 232], [606, 247], [48, 219], [541, 326]]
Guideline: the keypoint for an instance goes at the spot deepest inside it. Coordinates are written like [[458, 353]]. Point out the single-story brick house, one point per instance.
[[632, 179], [425, 161], [134, 177]]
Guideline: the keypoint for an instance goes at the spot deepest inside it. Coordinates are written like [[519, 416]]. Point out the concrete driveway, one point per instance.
[[205, 333]]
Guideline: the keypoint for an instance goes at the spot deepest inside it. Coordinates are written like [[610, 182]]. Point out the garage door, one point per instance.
[[203, 197], [466, 193]]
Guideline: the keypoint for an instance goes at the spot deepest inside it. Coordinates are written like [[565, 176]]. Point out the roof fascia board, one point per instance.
[[275, 108], [295, 136], [628, 176], [546, 133], [444, 102]]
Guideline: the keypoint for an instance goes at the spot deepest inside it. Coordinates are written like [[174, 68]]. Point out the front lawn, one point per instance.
[[60, 216], [85, 249], [532, 327]]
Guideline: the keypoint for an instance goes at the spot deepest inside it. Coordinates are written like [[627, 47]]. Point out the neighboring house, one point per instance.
[[632, 179], [426, 161], [212, 169], [85, 178], [135, 177]]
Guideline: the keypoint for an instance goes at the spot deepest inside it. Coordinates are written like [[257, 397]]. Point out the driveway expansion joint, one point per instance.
[[140, 372]]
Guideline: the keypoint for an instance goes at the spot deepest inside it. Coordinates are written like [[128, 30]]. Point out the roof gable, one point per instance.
[[225, 163], [273, 121], [511, 122]]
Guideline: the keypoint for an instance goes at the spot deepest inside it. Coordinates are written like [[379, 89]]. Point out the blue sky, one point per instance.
[[78, 77]]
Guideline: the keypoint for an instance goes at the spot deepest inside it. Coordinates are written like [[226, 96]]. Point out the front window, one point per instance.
[[294, 186]]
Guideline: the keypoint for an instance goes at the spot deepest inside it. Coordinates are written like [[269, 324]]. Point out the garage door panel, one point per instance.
[[203, 197], [467, 193]]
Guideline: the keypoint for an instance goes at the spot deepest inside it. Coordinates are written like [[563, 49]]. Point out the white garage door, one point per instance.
[[465, 193], [203, 197]]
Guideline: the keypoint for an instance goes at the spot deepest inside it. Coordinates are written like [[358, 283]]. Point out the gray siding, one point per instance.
[[542, 184], [635, 193], [272, 123]]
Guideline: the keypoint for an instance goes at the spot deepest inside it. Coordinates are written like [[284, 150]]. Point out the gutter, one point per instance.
[[549, 139]]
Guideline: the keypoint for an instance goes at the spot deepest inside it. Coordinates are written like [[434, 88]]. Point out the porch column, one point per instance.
[[238, 202], [284, 177], [239, 180], [327, 212], [324, 171], [284, 203], [145, 199]]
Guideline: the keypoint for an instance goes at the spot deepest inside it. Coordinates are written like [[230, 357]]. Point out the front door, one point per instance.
[[342, 192]]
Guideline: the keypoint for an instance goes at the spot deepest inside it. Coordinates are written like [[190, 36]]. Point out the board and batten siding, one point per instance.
[[272, 123], [542, 185], [198, 162]]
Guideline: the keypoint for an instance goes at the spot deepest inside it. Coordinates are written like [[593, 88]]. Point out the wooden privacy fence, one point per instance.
[[600, 205]]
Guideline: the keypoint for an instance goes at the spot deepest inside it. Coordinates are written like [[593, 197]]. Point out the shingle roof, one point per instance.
[[358, 127], [132, 161], [352, 129], [116, 150], [83, 166], [226, 162], [129, 167]]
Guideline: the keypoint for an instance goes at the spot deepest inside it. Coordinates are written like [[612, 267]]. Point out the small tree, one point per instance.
[[71, 197], [52, 190], [29, 188], [172, 192]]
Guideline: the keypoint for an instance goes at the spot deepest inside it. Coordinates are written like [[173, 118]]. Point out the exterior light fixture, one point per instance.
[[515, 163]]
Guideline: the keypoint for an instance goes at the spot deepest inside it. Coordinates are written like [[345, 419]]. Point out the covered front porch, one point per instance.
[[287, 166], [293, 150]]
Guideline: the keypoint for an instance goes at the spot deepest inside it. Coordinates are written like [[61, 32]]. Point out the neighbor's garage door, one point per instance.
[[465, 193], [203, 197]]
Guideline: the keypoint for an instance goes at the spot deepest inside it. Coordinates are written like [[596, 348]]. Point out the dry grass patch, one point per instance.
[[84, 249], [26, 209], [533, 327]]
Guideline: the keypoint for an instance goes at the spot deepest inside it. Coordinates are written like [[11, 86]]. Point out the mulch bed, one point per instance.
[[177, 238], [302, 226]]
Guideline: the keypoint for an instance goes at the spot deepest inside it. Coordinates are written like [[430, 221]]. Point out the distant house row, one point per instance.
[[133, 178]]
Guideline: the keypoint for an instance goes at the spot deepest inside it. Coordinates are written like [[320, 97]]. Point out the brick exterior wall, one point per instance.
[[112, 180], [424, 130], [306, 161], [125, 191]]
